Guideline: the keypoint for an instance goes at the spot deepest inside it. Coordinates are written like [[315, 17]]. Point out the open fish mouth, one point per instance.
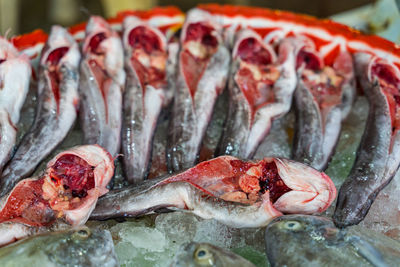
[[69, 189], [292, 187]]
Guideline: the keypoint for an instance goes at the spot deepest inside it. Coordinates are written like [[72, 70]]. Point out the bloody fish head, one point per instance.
[[69, 189], [292, 187]]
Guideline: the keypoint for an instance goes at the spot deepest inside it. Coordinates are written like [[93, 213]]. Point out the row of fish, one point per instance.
[[291, 240]]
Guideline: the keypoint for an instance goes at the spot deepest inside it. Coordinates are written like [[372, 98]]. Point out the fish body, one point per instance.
[[148, 83], [205, 254], [80, 246], [203, 64], [56, 112], [236, 193], [102, 79], [15, 73], [260, 90], [66, 192], [301, 240], [378, 155], [323, 97]]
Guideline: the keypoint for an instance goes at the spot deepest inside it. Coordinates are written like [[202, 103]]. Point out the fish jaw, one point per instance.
[[378, 156], [8, 134], [41, 201], [312, 191], [15, 73]]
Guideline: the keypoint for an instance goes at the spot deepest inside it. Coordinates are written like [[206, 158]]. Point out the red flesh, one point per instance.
[[257, 92], [310, 60], [141, 38], [193, 67], [26, 205], [74, 174], [95, 41], [53, 59]]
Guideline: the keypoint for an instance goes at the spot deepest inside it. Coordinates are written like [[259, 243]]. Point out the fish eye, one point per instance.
[[81, 234], [203, 256], [292, 225]]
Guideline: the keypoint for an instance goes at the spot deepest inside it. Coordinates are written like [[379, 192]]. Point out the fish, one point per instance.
[[56, 111], [204, 254], [304, 240], [80, 246], [203, 65], [15, 74], [234, 192], [322, 99], [66, 192], [102, 79], [147, 92], [378, 155], [261, 87]]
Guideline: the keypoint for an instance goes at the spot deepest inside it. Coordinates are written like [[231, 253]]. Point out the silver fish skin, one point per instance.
[[303, 240], [147, 92], [15, 74], [378, 155], [203, 66], [102, 79], [228, 190], [56, 112], [204, 254], [322, 99], [80, 246], [252, 110]]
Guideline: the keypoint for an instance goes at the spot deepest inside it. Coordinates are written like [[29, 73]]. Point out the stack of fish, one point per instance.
[[133, 69]]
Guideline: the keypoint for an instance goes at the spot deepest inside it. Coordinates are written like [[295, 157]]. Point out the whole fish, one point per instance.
[[148, 83], [80, 246], [203, 66], [15, 73], [301, 240], [261, 88], [322, 99], [378, 155], [101, 84], [205, 254], [56, 111], [67, 192], [234, 192]]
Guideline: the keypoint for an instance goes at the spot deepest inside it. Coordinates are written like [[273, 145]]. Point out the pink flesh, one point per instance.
[[146, 41], [97, 67], [391, 86], [222, 177], [258, 92], [326, 92], [71, 174], [193, 67], [53, 59]]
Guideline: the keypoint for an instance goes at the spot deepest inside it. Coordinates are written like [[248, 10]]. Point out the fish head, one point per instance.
[[61, 48], [80, 246], [69, 189], [204, 254], [300, 238]]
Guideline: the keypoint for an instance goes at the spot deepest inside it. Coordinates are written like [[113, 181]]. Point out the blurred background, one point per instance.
[[20, 16]]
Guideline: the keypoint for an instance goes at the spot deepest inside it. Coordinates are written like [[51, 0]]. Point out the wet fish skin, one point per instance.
[[101, 84], [246, 126], [204, 254], [75, 247], [55, 113], [303, 240], [15, 73], [378, 155], [143, 99], [317, 128], [228, 190], [191, 114]]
